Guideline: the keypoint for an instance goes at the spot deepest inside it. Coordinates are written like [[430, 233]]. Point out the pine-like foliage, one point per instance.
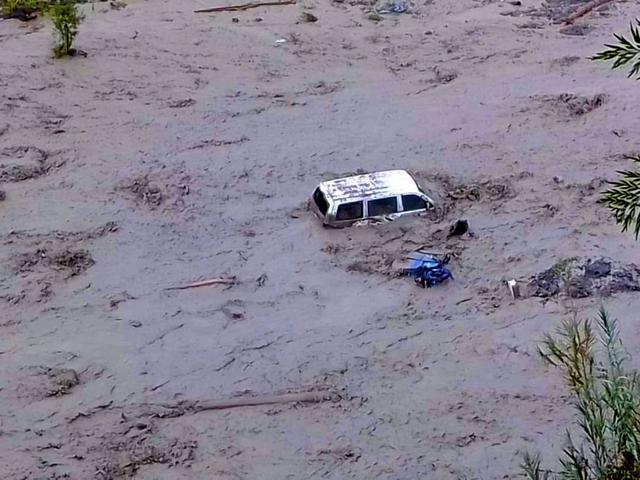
[[623, 199], [627, 50]]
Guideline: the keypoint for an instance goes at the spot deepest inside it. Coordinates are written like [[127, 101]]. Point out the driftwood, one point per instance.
[[245, 6], [170, 410], [305, 397], [582, 11], [206, 283], [178, 409]]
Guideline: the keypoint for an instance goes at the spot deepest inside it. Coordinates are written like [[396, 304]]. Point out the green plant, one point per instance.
[[627, 50], [13, 7], [606, 399], [66, 19], [623, 199]]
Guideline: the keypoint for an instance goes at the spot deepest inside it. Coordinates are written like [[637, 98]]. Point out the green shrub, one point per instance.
[[607, 403], [12, 8], [66, 19]]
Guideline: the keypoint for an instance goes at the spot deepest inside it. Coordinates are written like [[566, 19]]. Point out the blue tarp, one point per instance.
[[426, 269]]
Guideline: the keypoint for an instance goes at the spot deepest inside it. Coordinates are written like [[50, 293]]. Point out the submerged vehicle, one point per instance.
[[388, 194]]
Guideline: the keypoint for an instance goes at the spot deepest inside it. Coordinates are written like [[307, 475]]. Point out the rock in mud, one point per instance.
[[443, 77], [580, 278], [459, 228], [117, 5], [308, 17]]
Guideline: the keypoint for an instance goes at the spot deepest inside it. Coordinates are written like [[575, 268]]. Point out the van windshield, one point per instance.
[[321, 202]]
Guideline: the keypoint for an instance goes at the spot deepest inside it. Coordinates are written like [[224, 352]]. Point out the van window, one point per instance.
[[349, 211], [383, 206], [413, 202], [321, 202]]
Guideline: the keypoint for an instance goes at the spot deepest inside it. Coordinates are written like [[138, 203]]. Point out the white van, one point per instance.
[[344, 201]]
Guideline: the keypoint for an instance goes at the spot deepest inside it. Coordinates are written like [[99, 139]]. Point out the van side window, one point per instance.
[[413, 202], [349, 211], [383, 206], [321, 202]]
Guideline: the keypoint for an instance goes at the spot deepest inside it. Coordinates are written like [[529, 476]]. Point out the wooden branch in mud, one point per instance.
[[206, 283], [244, 6], [173, 410], [204, 405], [582, 11]]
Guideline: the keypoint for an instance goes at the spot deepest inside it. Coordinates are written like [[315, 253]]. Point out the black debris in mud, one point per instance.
[[595, 186], [565, 61], [145, 191], [126, 453], [490, 190], [62, 380], [580, 278], [443, 76], [53, 381], [576, 30], [571, 105], [39, 382], [74, 262], [3, 195], [187, 102], [219, 142], [519, 12], [61, 235], [449, 191], [380, 263], [321, 88], [23, 163]]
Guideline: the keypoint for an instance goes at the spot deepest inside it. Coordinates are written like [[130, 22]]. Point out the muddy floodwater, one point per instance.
[[184, 148]]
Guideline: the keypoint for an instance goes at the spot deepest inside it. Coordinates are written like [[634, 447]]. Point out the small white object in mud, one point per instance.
[[381, 196], [280, 41]]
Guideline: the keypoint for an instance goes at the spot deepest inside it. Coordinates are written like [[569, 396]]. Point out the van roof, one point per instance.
[[376, 184]]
